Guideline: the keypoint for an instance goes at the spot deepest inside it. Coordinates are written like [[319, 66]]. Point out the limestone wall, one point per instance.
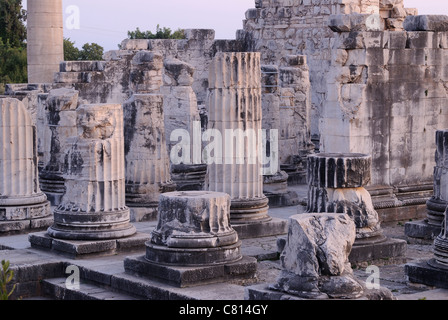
[[278, 28], [387, 97]]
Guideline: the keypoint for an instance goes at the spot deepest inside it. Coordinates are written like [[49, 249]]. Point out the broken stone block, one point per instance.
[[315, 258], [426, 23], [336, 184], [146, 72], [21, 200], [190, 222], [355, 22]]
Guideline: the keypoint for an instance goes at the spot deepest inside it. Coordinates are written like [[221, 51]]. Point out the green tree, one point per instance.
[[91, 51], [13, 64], [12, 18], [71, 53], [161, 33]]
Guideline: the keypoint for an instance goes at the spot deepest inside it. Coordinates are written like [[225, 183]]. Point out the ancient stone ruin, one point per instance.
[[193, 242], [93, 207], [298, 143], [23, 206], [428, 229]]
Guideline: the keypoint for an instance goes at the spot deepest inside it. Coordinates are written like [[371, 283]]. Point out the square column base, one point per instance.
[[379, 253], [420, 232], [85, 249], [426, 272], [183, 277], [23, 226], [272, 227]]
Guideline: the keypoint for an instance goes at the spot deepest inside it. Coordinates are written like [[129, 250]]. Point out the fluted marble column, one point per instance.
[[59, 125], [235, 111], [22, 203], [426, 230], [93, 207], [437, 204], [45, 40], [181, 112], [146, 155], [275, 185]]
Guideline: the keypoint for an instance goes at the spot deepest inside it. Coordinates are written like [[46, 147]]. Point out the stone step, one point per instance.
[[81, 66], [73, 77], [57, 289]]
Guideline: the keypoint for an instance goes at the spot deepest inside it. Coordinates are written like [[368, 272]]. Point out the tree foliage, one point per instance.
[[71, 53], [161, 33], [89, 51], [12, 18], [13, 59], [13, 64]]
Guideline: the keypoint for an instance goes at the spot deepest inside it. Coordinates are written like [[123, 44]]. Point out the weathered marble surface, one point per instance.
[[315, 258], [337, 184], [23, 205], [94, 207]]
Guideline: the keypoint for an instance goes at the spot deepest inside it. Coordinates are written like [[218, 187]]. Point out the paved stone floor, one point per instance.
[[17, 249]]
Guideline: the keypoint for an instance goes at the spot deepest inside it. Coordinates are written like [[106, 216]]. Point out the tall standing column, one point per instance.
[[181, 112], [235, 119], [22, 204], [59, 125], [93, 207], [45, 39], [275, 184], [146, 156], [235, 112]]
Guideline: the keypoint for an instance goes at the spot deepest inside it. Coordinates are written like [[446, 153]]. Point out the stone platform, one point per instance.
[[84, 249], [42, 272], [377, 250], [421, 232], [183, 277], [428, 272], [272, 227]]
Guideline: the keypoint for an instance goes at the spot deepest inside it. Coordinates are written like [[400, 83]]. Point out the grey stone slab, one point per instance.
[[424, 272], [421, 230], [87, 249], [426, 23], [273, 227], [380, 253], [190, 276], [262, 292]]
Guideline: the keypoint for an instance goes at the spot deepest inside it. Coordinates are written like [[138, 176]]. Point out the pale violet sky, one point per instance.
[[106, 22]]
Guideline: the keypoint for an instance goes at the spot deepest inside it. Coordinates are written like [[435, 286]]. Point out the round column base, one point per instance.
[[91, 226], [193, 257], [243, 211], [436, 211]]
